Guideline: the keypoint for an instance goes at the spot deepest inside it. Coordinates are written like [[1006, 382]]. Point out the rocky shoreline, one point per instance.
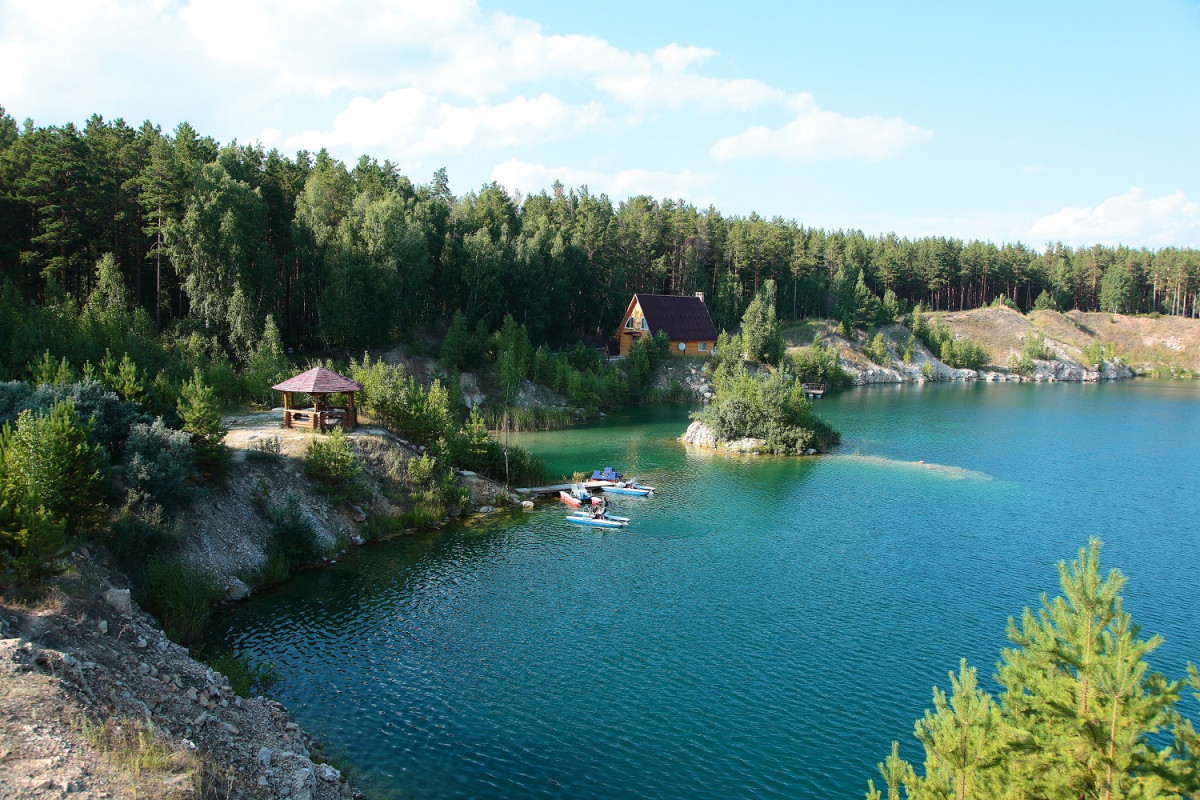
[[925, 367], [84, 666], [98, 703]]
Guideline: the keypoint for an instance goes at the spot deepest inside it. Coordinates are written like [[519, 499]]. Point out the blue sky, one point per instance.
[[1038, 122]]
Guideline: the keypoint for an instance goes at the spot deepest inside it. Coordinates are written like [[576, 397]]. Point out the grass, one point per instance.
[[156, 768], [523, 419], [181, 598], [246, 676]]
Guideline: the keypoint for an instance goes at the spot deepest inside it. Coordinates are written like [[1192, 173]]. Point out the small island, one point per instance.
[[759, 404]]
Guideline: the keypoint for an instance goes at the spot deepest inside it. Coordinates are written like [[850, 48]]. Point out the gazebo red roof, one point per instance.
[[319, 380]]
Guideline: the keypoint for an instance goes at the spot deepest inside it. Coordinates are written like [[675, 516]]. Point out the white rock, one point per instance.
[[303, 783], [236, 590], [119, 600]]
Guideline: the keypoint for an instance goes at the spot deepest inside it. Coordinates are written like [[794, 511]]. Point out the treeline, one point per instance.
[[221, 241]]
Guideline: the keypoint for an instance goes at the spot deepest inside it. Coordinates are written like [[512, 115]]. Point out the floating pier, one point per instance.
[[561, 487], [812, 390]]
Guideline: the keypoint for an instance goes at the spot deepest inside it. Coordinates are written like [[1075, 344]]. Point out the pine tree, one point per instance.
[[1078, 714]]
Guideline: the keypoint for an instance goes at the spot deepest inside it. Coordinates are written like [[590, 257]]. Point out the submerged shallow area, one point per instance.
[[765, 626]]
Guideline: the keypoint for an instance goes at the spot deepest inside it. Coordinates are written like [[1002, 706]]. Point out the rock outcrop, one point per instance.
[[86, 683]]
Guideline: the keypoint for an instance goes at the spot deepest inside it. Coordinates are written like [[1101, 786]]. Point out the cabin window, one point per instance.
[[702, 346], [629, 324], [645, 327]]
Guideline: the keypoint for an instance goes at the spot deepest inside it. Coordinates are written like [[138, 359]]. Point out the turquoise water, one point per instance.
[[764, 627]]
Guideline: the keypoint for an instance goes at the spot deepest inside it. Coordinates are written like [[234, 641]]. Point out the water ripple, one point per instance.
[[761, 629]]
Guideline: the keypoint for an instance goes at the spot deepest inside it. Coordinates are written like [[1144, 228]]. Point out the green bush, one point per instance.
[[427, 510], [159, 463], [268, 448], [330, 459], [770, 407], [247, 677], [51, 483], [877, 351], [1045, 302], [820, 364], [180, 598], [110, 418], [959, 353], [138, 535], [292, 534]]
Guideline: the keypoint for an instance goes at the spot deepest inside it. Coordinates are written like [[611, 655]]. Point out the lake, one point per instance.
[[765, 627]]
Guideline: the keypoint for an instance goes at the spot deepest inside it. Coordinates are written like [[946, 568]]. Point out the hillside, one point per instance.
[[1162, 347]]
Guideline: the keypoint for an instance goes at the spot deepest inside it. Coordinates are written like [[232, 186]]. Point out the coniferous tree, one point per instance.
[[1079, 714]]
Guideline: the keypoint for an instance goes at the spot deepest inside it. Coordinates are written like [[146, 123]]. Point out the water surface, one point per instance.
[[764, 627]]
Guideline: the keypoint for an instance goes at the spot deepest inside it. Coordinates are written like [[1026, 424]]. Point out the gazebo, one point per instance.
[[320, 383]]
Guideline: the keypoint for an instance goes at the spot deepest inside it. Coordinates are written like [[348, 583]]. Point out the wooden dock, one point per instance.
[[561, 487], [812, 390]]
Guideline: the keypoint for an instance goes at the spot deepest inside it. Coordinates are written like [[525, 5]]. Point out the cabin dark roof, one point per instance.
[[685, 319]]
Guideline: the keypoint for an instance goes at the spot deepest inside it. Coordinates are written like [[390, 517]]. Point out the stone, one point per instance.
[[264, 756], [236, 590], [102, 626], [192, 694], [328, 773], [230, 728], [527, 505], [303, 783], [119, 600]]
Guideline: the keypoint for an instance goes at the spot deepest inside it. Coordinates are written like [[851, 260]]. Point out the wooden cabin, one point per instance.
[[684, 319]]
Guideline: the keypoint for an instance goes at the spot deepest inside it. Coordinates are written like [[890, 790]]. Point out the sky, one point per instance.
[[1018, 121]]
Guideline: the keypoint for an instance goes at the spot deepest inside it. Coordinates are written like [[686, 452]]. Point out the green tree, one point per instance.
[[51, 482], [1080, 714], [760, 328]]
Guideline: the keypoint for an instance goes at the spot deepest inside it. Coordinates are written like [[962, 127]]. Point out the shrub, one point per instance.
[[877, 351], [1045, 302], [109, 417], [427, 510], [1034, 347], [462, 350], [820, 364], [159, 462], [139, 534], [199, 411], [268, 448], [330, 459], [180, 598], [420, 471], [261, 492], [47, 462], [772, 408], [247, 677], [292, 534]]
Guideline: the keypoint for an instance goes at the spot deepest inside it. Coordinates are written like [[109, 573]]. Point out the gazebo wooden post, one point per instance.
[[316, 411], [351, 414], [287, 409]]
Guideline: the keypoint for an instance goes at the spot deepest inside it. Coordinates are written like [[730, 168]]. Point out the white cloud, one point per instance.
[[816, 133], [410, 123], [516, 175], [1130, 218]]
